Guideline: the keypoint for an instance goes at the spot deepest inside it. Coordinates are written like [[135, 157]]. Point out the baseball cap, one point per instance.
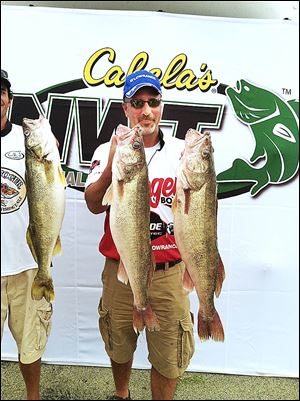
[[4, 77], [138, 80]]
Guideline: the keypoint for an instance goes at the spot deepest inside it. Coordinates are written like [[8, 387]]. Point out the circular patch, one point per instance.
[[13, 191]]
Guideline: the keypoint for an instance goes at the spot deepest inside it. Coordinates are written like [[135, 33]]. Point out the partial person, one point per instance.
[[171, 348], [28, 320]]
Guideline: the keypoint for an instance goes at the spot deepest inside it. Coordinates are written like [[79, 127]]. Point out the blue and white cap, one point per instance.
[[138, 80]]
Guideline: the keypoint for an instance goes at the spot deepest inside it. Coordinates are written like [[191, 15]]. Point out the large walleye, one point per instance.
[[45, 183], [130, 222], [195, 229]]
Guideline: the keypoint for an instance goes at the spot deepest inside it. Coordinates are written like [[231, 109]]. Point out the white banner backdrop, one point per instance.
[[48, 56]]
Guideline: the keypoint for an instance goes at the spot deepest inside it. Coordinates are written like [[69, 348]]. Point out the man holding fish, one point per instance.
[[133, 180], [29, 320]]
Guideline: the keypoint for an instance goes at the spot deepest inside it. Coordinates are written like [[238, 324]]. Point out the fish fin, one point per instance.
[[210, 328], [107, 198], [118, 172], [57, 249], [62, 177], [184, 181], [30, 244], [122, 274], [187, 200], [187, 281], [49, 171], [220, 277]]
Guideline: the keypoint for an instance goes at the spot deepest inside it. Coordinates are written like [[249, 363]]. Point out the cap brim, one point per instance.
[[130, 93]]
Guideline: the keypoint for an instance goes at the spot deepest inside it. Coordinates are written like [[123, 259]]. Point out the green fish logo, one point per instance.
[[274, 123]]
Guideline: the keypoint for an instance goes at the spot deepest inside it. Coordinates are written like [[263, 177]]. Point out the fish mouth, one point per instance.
[[194, 138], [28, 123], [136, 131]]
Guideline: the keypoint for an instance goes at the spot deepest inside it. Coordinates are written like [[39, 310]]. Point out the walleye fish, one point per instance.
[[195, 229], [45, 183], [128, 196]]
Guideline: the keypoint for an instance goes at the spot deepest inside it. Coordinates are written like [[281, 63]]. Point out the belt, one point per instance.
[[167, 265]]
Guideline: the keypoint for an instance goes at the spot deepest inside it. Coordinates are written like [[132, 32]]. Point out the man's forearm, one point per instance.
[[95, 192]]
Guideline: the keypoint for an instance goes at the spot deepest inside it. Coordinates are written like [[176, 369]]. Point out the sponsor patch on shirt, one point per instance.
[[15, 155], [13, 191]]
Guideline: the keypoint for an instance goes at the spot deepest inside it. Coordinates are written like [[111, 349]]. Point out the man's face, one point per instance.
[[5, 101], [148, 117]]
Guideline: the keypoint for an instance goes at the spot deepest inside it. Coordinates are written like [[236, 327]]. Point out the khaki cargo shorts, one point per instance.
[[29, 321], [171, 348]]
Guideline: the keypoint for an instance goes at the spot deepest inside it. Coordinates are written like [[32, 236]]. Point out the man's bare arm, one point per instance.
[[95, 192]]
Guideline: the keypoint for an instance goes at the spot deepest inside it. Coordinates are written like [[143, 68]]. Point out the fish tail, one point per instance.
[[216, 328], [138, 321], [150, 319], [145, 317], [42, 286], [203, 328], [210, 328]]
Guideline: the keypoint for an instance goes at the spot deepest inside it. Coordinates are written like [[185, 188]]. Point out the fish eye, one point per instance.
[[136, 145], [205, 153]]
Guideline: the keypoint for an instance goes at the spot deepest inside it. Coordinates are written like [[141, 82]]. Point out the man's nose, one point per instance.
[[146, 109]]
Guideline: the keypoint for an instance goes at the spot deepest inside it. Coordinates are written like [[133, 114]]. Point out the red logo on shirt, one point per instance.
[[162, 190]]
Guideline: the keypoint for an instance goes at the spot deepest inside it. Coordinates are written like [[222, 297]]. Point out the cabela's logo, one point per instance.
[[175, 75], [272, 121]]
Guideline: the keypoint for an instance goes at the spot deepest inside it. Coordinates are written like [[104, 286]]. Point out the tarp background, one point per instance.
[[258, 236]]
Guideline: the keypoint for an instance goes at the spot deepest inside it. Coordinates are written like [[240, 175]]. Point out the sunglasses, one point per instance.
[[139, 103]]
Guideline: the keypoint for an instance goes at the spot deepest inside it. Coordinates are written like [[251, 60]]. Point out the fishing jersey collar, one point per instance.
[[7, 129]]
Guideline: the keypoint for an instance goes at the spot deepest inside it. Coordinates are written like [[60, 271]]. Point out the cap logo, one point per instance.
[[142, 76]]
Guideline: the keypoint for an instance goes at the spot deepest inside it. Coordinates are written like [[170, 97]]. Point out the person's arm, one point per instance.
[[95, 192]]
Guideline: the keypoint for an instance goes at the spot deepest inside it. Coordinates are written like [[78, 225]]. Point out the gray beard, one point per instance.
[[149, 131]]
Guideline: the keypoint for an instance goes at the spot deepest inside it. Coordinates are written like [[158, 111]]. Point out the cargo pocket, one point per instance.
[[105, 325], [44, 314], [185, 344]]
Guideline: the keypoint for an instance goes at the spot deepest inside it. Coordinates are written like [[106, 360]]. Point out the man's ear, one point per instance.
[[124, 105]]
